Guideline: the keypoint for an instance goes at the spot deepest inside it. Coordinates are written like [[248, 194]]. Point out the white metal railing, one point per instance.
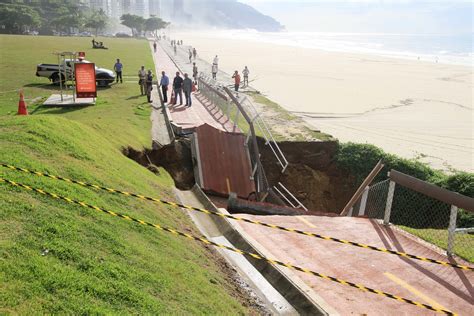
[[296, 203], [257, 120]]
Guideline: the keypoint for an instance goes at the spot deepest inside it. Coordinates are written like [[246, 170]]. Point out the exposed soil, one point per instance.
[[312, 174], [175, 158]]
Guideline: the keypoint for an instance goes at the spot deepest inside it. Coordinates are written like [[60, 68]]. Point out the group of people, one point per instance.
[[237, 79], [145, 81], [235, 76], [192, 54], [180, 85]]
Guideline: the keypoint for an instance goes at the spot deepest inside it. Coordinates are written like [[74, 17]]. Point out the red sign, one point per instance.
[[85, 80]]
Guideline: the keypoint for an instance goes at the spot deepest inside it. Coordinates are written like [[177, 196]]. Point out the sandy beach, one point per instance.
[[416, 109]]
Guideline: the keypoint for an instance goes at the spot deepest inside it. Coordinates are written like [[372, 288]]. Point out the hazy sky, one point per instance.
[[381, 16]]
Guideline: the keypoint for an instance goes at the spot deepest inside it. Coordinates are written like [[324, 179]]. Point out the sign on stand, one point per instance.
[[85, 80]]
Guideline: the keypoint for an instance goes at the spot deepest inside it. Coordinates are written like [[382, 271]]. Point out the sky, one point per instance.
[[371, 16]]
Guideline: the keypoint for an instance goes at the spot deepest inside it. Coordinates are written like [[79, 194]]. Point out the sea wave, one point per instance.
[[436, 48]]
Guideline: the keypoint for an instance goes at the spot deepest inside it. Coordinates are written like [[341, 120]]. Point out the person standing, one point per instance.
[[195, 73], [164, 83], [118, 67], [190, 55], [149, 85], [214, 71], [178, 89], [194, 53], [187, 88], [216, 61], [175, 49], [246, 73], [236, 77], [154, 46], [142, 79]]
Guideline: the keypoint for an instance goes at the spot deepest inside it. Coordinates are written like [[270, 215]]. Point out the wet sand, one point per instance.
[[411, 108]]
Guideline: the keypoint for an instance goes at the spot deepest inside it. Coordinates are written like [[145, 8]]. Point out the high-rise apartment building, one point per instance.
[[154, 7], [115, 8], [142, 8]]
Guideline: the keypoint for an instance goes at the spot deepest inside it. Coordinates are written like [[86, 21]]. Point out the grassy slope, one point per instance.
[[96, 263]]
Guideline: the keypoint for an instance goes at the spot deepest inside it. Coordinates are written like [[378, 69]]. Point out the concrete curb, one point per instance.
[[290, 286]]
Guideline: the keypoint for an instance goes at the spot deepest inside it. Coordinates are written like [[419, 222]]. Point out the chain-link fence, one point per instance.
[[436, 222]]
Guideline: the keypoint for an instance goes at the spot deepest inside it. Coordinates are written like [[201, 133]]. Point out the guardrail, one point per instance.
[[425, 210]]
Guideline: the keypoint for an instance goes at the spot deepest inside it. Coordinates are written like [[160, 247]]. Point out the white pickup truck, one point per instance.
[[51, 71]]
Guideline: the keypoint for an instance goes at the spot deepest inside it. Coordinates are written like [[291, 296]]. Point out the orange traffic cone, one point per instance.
[[22, 105]]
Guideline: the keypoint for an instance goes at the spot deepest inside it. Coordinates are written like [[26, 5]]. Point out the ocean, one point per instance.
[[448, 49]]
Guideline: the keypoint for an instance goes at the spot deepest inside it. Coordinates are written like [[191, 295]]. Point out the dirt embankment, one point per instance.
[[175, 158], [312, 174]]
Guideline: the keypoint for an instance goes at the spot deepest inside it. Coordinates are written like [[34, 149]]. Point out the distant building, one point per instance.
[[154, 7], [178, 8], [116, 8], [105, 5]]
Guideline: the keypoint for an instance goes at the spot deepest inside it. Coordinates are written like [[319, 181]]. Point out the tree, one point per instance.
[[18, 18], [97, 21], [134, 22], [68, 16], [153, 24]]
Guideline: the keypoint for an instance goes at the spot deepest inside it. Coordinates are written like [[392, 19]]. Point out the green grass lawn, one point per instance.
[[95, 263], [463, 243]]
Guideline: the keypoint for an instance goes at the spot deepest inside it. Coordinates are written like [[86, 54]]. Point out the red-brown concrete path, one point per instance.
[[436, 285], [200, 112]]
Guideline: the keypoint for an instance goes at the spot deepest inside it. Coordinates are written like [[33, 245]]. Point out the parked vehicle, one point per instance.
[[122, 34], [52, 71]]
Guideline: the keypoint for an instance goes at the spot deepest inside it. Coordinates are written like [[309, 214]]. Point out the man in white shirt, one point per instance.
[[142, 80], [246, 72]]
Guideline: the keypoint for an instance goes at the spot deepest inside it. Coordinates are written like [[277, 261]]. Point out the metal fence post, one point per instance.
[[363, 201], [388, 205], [452, 229]]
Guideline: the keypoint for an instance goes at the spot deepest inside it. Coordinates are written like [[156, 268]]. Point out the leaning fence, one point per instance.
[[442, 218], [212, 90]]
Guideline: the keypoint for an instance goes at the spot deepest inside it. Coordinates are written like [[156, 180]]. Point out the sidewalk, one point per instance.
[[200, 112]]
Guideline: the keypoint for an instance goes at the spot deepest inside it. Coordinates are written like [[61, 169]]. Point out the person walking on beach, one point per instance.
[[194, 53], [118, 71], [195, 73], [164, 83], [154, 46], [246, 73], [178, 89], [190, 55], [236, 77], [187, 88], [142, 79], [214, 71], [149, 85]]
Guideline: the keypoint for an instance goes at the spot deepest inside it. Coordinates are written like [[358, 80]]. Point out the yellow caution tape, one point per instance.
[[242, 252], [291, 230]]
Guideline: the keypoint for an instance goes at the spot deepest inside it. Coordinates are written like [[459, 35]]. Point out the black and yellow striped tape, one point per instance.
[[291, 230], [242, 252]]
